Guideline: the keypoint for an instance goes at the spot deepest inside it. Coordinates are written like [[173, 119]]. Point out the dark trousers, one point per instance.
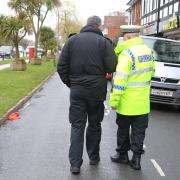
[[80, 110], [131, 141]]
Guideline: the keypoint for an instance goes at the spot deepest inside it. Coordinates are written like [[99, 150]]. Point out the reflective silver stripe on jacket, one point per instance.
[[142, 71], [139, 83], [125, 76]]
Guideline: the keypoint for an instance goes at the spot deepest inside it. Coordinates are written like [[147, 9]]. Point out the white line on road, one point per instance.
[[158, 168]]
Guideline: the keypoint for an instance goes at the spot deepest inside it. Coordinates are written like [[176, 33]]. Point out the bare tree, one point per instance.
[[68, 21]]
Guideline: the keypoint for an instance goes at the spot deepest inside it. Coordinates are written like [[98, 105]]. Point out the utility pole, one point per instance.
[[57, 35], [158, 17]]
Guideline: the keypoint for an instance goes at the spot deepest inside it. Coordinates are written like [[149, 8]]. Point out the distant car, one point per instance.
[[6, 52]]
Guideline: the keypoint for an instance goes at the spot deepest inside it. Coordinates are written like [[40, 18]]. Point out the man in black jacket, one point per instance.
[[85, 59]]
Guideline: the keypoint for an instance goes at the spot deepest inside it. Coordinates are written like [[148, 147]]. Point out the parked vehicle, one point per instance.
[[165, 85], [6, 52]]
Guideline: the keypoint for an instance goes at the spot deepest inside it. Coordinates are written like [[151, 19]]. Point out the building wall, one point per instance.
[[154, 9], [161, 18], [112, 25], [114, 32], [136, 10]]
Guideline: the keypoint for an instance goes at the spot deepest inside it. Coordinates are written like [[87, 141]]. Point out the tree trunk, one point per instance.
[[16, 44], [46, 49], [36, 45]]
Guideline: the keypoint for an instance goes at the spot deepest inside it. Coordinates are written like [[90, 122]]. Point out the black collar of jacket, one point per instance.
[[90, 28]]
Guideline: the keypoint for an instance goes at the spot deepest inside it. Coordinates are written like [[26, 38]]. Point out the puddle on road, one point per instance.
[[38, 96], [41, 89]]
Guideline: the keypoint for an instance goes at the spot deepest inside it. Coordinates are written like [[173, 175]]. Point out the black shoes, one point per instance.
[[120, 158], [135, 163], [94, 162], [75, 170]]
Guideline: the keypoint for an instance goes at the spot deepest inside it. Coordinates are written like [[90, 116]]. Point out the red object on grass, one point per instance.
[[14, 116]]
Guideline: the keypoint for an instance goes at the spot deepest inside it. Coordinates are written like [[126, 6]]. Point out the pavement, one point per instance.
[[4, 66], [36, 146]]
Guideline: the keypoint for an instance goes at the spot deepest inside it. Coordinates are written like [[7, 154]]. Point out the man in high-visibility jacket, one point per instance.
[[131, 95]]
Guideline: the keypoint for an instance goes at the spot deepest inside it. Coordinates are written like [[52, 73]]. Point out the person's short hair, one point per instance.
[[72, 34], [94, 20]]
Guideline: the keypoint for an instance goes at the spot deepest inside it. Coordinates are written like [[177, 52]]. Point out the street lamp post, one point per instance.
[[158, 17]]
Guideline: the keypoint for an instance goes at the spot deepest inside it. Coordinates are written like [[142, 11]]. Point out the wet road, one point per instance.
[[36, 146]]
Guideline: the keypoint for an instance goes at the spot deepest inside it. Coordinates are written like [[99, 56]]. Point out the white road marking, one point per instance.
[[158, 168]]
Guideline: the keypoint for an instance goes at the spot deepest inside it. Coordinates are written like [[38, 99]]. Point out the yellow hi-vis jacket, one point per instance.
[[136, 66]]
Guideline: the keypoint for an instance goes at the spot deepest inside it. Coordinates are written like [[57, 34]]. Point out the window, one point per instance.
[[150, 5], [166, 1], [176, 6], [154, 16], [170, 9], [151, 18], [142, 8], [147, 6], [166, 50], [145, 20], [162, 3], [165, 13], [161, 13], [154, 4]]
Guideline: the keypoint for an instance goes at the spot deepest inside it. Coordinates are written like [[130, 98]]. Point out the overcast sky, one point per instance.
[[85, 8], [99, 7]]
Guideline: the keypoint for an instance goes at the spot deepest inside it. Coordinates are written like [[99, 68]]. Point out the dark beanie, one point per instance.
[[94, 20]]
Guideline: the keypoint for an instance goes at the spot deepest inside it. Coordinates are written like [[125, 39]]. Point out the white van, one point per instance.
[[165, 85]]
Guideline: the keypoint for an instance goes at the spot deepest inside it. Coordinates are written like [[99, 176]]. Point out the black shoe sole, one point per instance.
[[135, 168], [75, 171], [119, 161], [93, 163]]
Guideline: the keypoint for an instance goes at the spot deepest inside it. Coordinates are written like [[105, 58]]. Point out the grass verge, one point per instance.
[[14, 85], [6, 61]]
